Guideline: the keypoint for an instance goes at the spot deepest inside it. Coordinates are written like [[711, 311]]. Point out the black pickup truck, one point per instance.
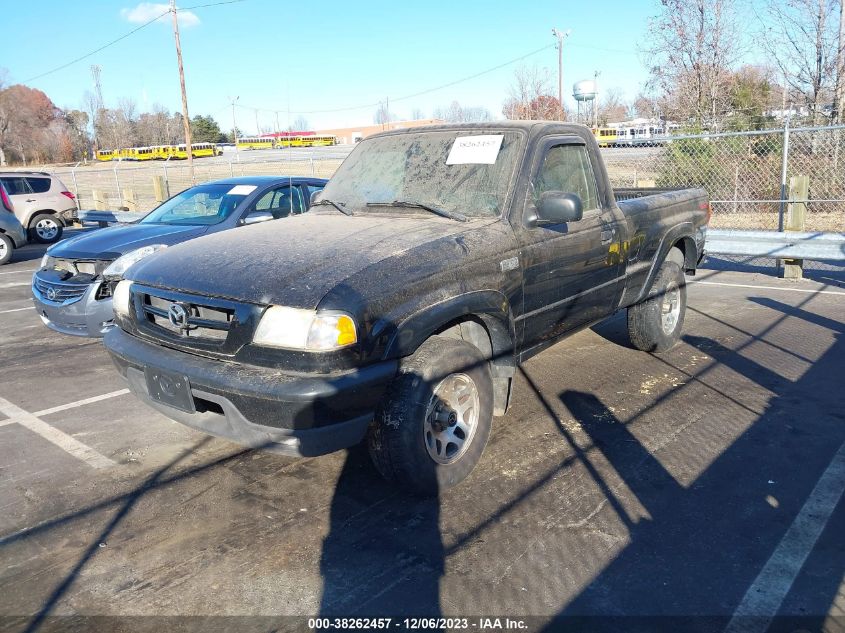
[[434, 261]]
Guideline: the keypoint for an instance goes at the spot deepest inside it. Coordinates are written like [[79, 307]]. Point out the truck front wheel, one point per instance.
[[655, 324], [434, 422]]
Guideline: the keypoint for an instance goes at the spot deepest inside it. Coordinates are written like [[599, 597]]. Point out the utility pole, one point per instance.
[[560, 37], [98, 106], [257, 129], [185, 120], [235, 127], [840, 66], [596, 99]]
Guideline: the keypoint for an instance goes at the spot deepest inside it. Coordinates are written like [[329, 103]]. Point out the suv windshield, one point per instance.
[[201, 205], [462, 171]]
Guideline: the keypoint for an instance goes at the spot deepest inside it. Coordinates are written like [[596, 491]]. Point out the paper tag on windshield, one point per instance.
[[475, 150], [241, 190]]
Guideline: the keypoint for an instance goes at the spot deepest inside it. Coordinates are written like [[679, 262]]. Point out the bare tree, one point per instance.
[[301, 124], [802, 40], [4, 117], [382, 115], [530, 96], [456, 113], [417, 114], [693, 47], [612, 107]]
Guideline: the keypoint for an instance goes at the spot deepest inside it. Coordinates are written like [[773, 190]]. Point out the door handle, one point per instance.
[[607, 236], [31, 200]]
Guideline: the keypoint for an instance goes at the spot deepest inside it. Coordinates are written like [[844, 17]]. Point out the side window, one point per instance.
[[281, 202], [265, 202], [567, 168], [16, 186], [39, 185]]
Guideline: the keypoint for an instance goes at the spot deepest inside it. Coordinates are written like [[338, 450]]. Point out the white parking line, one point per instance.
[[15, 284], [17, 310], [79, 403], [719, 283], [70, 445], [765, 595], [18, 272]]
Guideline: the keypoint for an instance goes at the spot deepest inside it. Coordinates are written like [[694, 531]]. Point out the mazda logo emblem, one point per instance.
[[178, 316], [52, 294]]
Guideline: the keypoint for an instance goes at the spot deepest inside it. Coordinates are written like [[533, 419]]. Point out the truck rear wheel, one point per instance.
[[434, 422], [655, 324]]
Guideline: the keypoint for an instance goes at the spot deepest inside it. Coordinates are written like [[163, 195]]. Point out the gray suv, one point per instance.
[[42, 203]]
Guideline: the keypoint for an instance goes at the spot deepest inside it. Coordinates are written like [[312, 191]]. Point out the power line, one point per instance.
[[95, 51], [124, 36], [210, 4], [414, 95]]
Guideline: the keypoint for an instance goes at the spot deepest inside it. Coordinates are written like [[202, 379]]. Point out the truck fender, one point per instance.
[[483, 318], [680, 235]]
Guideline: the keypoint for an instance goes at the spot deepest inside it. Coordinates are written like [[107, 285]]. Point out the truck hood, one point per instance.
[[114, 241], [292, 262]]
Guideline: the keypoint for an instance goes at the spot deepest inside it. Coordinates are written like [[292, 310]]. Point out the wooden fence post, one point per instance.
[[101, 200], [796, 210], [162, 191], [129, 200]]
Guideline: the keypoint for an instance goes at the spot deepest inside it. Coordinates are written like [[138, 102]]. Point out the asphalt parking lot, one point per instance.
[[706, 482]]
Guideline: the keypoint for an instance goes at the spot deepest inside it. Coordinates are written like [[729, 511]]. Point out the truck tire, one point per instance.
[[45, 228], [6, 249], [655, 324], [433, 424]]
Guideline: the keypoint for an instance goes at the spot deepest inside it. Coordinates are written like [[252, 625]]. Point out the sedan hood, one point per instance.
[[112, 242], [292, 262]]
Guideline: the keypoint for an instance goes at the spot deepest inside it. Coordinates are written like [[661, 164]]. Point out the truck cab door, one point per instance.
[[570, 277]]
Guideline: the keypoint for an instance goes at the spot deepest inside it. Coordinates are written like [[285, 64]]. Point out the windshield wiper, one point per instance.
[[337, 205], [452, 215]]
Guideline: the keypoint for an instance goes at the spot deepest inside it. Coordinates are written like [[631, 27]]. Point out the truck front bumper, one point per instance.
[[86, 316], [260, 407]]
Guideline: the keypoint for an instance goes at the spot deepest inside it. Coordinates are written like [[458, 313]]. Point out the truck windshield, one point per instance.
[[202, 205], [466, 172]]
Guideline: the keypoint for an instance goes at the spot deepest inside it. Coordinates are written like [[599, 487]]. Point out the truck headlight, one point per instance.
[[292, 328], [122, 298], [119, 266]]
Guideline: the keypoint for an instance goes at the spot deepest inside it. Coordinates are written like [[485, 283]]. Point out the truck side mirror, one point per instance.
[[557, 207]]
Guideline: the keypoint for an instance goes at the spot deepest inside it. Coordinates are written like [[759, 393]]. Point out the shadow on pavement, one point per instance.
[[703, 543]]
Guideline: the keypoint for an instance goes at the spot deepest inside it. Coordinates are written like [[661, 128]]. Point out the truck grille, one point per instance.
[[58, 292], [186, 319]]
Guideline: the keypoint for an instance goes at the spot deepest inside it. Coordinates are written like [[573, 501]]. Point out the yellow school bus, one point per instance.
[[605, 136], [199, 150], [256, 142], [105, 154]]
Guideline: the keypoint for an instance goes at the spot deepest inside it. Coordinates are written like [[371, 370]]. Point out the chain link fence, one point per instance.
[[122, 182], [746, 174]]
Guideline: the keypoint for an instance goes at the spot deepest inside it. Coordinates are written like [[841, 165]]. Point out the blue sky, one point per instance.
[[321, 55]]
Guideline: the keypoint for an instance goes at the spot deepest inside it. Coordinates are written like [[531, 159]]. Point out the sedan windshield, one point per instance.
[[202, 205], [459, 172]]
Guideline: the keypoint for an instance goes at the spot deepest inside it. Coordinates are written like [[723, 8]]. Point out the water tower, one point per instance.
[[585, 92]]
